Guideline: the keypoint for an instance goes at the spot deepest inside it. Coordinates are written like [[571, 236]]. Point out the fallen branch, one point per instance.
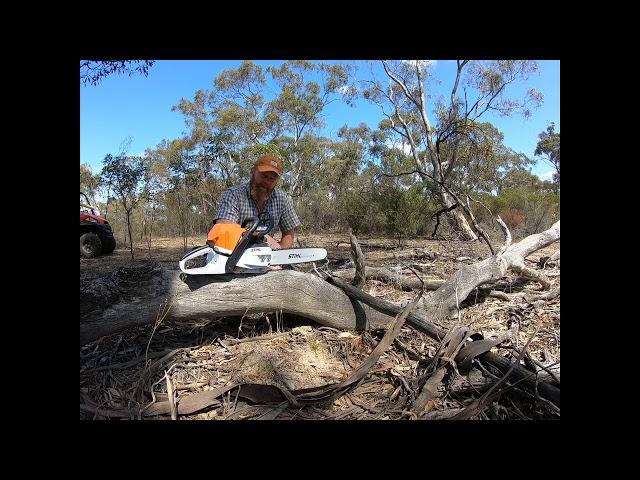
[[388, 276], [136, 303], [528, 297], [532, 274], [480, 403], [421, 322], [358, 261]]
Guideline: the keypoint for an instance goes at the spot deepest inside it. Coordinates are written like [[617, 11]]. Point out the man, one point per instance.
[[260, 198]]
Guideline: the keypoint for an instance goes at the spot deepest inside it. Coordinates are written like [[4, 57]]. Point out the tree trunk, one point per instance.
[[128, 212], [151, 231], [458, 217], [134, 295]]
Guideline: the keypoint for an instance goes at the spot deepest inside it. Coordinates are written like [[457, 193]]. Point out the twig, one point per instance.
[[171, 398], [127, 364], [235, 341], [159, 318], [189, 386]]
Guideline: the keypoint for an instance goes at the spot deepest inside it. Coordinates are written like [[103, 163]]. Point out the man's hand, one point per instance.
[[274, 246], [272, 242]]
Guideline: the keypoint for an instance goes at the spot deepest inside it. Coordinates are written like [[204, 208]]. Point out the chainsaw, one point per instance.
[[232, 248]]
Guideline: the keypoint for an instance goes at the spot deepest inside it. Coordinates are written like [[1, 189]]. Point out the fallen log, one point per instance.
[[142, 293]]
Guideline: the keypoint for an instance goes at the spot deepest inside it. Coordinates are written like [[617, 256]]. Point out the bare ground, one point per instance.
[[293, 353]]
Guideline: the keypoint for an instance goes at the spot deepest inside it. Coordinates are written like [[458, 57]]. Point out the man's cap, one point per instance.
[[269, 163]]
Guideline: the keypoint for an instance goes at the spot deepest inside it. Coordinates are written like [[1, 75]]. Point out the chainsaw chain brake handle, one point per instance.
[[263, 221], [246, 240]]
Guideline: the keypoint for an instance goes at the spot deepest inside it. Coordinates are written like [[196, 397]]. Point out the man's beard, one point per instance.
[[259, 193]]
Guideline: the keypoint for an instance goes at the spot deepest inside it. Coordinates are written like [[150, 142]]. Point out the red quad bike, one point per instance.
[[96, 235]]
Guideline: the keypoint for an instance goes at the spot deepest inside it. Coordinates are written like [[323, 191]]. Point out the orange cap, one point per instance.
[[269, 163]]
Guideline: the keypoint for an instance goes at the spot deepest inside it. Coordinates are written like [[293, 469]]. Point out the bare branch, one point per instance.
[[437, 217], [479, 229], [505, 229], [423, 106], [532, 274], [360, 276], [400, 84]]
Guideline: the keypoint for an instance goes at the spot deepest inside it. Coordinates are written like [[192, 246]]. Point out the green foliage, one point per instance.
[[549, 146], [406, 212], [123, 175], [359, 211], [89, 182], [270, 148], [539, 207], [93, 71]]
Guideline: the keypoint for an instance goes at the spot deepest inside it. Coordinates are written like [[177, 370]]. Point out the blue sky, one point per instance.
[[139, 107]]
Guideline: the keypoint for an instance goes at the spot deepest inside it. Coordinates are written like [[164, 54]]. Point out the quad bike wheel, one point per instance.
[[90, 245]]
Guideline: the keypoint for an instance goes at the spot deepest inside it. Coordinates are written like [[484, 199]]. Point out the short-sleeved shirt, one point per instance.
[[237, 205]]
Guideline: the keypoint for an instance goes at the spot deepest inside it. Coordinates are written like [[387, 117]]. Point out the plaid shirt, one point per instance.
[[237, 204]]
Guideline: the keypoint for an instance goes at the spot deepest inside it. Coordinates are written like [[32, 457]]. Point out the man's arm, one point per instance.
[[228, 209], [289, 221], [287, 239]]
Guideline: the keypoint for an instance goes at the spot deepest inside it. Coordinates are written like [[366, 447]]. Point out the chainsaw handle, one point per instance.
[[246, 240], [258, 226], [253, 220]]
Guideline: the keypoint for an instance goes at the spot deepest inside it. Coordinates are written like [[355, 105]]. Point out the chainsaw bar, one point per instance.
[[288, 256]]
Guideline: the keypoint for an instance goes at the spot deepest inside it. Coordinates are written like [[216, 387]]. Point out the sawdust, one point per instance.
[[300, 360]]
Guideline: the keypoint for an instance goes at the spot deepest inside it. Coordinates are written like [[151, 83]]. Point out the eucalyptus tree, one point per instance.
[[89, 183], [305, 89], [184, 180], [445, 134], [93, 71], [348, 156], [156, 183], [122, 175], [549, 146], [243, 111], [224, 122]]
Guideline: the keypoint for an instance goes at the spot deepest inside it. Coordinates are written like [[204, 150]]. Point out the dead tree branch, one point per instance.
[[359, 278]]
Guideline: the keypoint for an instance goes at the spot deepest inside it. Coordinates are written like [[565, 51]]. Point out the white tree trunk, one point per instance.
[[458, 217]]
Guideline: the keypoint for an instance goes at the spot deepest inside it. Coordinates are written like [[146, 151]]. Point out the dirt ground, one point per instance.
[[297, 355]]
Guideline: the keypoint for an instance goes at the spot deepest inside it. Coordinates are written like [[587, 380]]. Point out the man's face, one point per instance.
[[264, 182]]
